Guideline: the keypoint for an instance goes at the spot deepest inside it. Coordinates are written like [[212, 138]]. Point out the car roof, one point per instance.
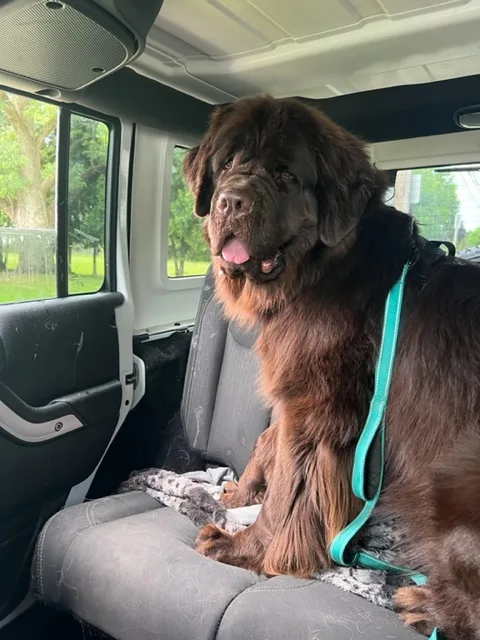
[[218, 50]]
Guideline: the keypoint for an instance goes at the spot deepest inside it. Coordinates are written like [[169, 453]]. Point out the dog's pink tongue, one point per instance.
[[235, 252]]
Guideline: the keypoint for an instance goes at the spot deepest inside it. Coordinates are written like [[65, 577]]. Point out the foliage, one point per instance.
[[27, 160], [4, 249], [11, 161], [27, 182], [5, 219], [185, 236], [438, 207], [472, 239], [87, 180]]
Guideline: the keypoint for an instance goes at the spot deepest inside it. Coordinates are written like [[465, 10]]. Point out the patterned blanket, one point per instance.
[[196, 495]]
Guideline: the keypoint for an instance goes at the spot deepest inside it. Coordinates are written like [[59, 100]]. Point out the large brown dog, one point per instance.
[[303, 244]]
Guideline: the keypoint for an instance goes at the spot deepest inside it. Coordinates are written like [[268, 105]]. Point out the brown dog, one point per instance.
[[302, 243]]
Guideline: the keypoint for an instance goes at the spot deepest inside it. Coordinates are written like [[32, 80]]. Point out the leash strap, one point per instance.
[[369, 461]]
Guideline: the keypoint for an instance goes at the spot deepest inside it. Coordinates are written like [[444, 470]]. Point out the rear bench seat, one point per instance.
[[126, 565]]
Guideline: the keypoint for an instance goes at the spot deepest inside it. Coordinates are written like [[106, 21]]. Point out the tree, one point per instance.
[[185, 236], [472, 239], [4, 222], [27, 181], [438, 206], [27, 170], [87, 185]]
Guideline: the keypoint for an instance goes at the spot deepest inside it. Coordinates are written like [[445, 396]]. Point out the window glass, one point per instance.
[[188, 254], [29, 246], [444, 200], [28, 131], [86, 204]]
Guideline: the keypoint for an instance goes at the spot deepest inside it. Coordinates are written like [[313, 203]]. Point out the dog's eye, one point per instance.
[[284, 173], [228, 165]]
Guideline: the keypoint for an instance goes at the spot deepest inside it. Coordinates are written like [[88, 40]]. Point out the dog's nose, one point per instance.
[[234, 201]]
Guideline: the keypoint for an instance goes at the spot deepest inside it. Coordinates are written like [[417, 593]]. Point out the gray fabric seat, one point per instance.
[[127, 566]]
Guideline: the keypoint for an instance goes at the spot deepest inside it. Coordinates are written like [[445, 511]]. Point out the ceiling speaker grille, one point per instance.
[[59, 47]]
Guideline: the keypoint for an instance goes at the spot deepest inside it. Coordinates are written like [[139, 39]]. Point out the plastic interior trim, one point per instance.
[[27, 431]]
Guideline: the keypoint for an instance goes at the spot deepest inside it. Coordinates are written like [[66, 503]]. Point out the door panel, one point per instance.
[[60, 399], [64, 360], [60, 394], [53, 348]]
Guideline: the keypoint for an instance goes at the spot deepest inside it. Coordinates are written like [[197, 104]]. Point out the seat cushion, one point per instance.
[[127, 566], [221, 386], [136, 577], [285, 608]]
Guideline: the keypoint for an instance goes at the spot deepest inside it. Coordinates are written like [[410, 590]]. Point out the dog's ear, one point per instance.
[[198, 164], [346, 181]]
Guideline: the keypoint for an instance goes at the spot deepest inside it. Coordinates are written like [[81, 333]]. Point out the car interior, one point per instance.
[[114, 352]]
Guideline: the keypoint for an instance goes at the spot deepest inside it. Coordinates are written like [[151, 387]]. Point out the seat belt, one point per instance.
[[369, 461]]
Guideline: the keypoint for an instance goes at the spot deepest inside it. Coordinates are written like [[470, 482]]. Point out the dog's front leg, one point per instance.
[[307, 502], [252, 485]]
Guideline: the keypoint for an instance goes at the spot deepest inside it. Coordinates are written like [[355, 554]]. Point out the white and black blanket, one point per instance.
[[196, 495]]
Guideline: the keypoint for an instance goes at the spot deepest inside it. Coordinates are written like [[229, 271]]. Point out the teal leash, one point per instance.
[[372, 440]]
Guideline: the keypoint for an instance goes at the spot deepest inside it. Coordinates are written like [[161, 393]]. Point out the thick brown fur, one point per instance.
[[446, 545], [252, 485], [310, 203]]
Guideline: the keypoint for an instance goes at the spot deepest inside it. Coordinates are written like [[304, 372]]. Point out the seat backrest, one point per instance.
[[222, 410]]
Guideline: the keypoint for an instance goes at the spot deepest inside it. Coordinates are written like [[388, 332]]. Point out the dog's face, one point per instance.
[[275, 180]]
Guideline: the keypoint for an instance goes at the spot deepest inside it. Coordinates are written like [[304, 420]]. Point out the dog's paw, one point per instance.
[[232, 497], [214, 543], [411, 604]]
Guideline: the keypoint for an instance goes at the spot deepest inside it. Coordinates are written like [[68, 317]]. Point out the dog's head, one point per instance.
[[275, 180]]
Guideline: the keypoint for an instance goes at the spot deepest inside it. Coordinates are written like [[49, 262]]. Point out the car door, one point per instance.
[[65, 315]]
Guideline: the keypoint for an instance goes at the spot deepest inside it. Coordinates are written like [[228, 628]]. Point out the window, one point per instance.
[[86, 204], [444, 200], [53, 200], [188, 254]]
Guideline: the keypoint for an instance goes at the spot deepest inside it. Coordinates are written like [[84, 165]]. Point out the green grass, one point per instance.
[[16, 287]]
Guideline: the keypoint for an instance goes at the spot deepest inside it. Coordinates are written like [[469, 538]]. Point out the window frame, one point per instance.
[[65, 112]]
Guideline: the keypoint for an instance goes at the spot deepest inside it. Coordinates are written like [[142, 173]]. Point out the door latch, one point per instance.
[[132, 378]]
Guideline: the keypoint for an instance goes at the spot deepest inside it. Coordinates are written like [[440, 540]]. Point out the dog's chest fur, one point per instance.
[[317, 364]]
